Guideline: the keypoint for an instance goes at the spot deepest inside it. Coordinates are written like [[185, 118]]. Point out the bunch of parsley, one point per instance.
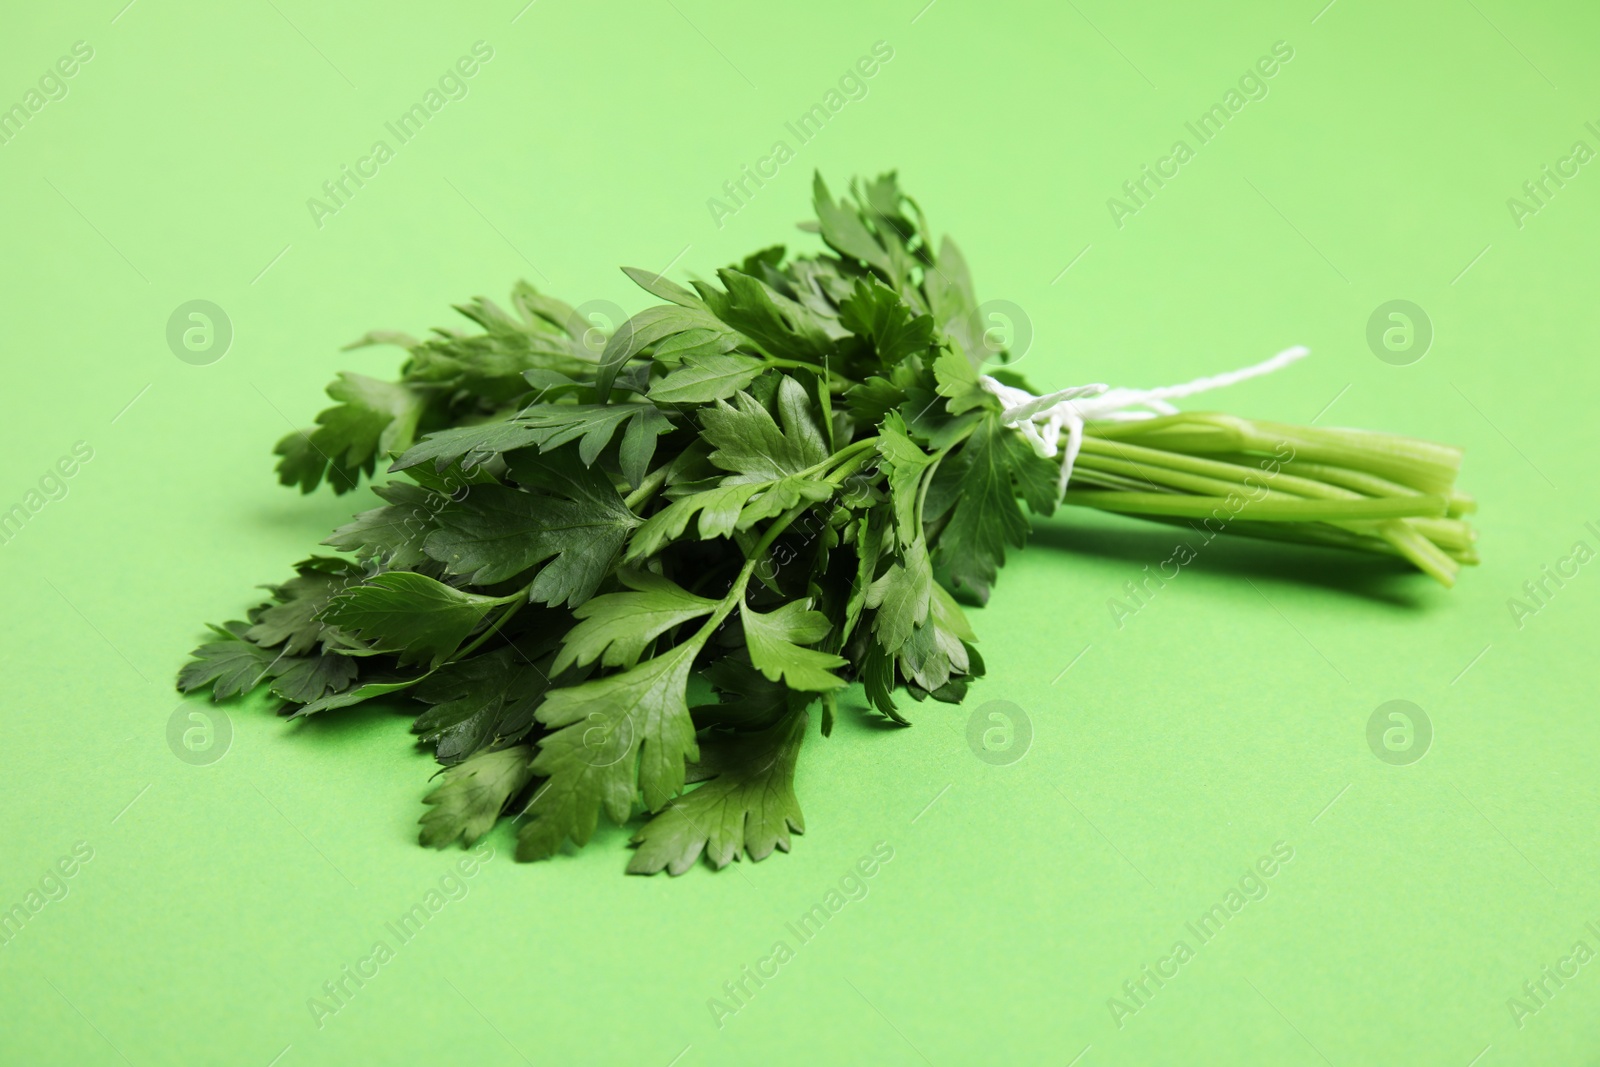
[[610, 572]]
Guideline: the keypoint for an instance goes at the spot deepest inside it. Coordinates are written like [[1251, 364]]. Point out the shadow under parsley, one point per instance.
[[1382, 579]]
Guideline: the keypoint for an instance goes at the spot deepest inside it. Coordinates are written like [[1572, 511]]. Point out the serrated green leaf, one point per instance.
[[844, 231], [775, 639], [304, 466], [617, 627], [750, 805], [936, 652], [583, 522], [718, 509], [707, 377], [376, 418], [751, 446], [639, 444], [692, 344], [303, 679], [777, 498], [878, 314], [647, 328], [470, 446], [392, 534], [291, 621], [902, 597], [474, 792], [986, 516], [958, 383], [907, 465], [610, 738], [481, 702], [496, 533], [372, 419], [419, 619], [359, 695], [230, 665], [775, 324], [591, 425]]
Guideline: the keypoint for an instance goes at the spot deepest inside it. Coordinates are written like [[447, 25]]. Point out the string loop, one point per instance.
[[1042, 419]]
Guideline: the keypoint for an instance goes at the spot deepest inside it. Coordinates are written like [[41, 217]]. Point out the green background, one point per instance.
[[1229, 714]]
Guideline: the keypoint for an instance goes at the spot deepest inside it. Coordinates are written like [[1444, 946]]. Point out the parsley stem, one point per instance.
[[735, 595], [1420, 465], [833, 376], [1370, 491], [521, 598], [1197, 506], [847, 460], [647, 487]]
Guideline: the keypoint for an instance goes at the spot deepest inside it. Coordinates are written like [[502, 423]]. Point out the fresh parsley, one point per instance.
[[783, 482]]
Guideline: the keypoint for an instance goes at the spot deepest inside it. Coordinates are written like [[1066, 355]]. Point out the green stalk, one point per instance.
[[647, 488], [1310, 533], [516, 599], [1420, 551], [1351, 488], [1286, 510], [1420, 465], [735, 595], [834, 377]]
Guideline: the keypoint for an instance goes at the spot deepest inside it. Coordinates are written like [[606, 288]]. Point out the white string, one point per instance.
[[1041, 419]]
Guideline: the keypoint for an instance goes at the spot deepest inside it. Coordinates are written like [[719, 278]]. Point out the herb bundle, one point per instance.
[[611, 572]]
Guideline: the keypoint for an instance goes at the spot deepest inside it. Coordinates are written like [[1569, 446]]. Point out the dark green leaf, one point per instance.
[[750, 805], [986, 516], [876, 312], [472, 796], [602, 731], [392, 534], [752, 446], [471, 446], [707, 377], [291, 621], [481, 702], [419, 619], [303, 679], [617, 627], [230, 665]]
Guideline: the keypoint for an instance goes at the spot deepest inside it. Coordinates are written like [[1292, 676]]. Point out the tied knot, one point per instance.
[[1042, 419]]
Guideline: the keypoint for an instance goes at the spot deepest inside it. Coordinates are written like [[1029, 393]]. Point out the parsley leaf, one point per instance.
[[749, 804], [751, 445], [392, 534], [875, 312], [775, 638], [601, 732], [292, 621], [480, 702], [304, 679], [417, 618], [469, 446], [700, 378], [616, 628], [986, 517], [472, 796], [230, 665], [374, 418]]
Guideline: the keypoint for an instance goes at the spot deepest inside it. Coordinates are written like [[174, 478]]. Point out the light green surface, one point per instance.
[[1225, 716]]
